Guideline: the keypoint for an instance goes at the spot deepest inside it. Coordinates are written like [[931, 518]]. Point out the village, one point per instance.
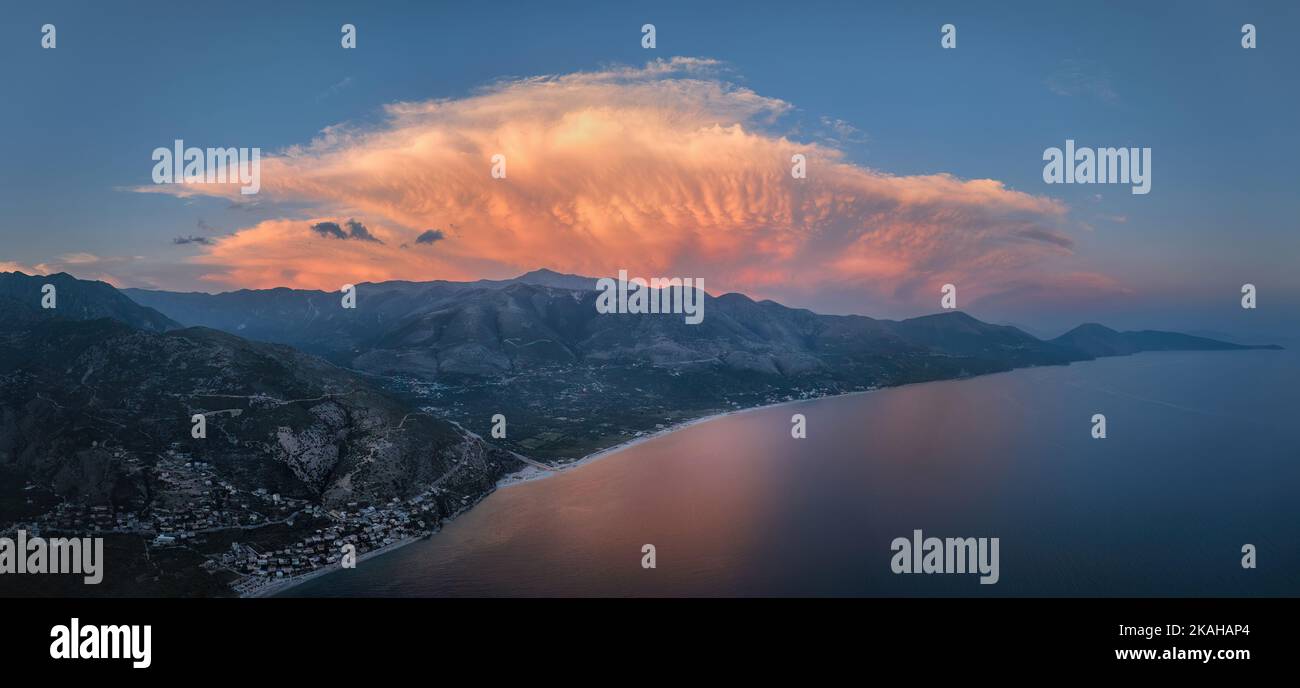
[[264, 539]]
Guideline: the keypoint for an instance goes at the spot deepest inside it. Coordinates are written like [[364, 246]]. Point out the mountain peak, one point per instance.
[[545, 277], [1092, 328], [76, 300]]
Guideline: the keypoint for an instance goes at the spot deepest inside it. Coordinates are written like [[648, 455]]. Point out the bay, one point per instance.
[[1201, 458]]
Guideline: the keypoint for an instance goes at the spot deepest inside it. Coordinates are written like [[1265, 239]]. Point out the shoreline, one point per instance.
[[530, 473], [280, 586], [273, 589]]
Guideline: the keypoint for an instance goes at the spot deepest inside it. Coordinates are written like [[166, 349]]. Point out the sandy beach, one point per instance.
[[532, 472], [280, 586]]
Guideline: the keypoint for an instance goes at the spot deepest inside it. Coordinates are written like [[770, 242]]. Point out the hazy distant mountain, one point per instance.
[[550, 278], [1035, 331], [541, 278], [493, 329], [543, 318], [314, 320], [21, 296], [960, 334], [572, 380], [1098, 340]]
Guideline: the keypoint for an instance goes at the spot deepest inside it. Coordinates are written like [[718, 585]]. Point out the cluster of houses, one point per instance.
[[195, 504], [365, 527]]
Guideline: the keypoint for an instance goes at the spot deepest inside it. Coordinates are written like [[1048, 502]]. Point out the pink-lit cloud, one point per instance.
[[661, 170]]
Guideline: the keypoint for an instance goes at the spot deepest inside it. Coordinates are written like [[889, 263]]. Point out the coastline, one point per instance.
[[532, 469], [531, 473], [273, 589]]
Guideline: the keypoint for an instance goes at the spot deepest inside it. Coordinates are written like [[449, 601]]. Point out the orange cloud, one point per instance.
[[288, 253], [661, 170], [83, 265], [11, 266]]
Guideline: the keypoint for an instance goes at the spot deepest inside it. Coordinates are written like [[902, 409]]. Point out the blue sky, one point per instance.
[[80, 121]]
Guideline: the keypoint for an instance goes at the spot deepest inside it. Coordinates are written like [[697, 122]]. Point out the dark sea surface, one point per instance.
[[1202, 457]]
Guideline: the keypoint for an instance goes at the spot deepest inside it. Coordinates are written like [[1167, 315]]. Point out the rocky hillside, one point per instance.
[[21, 300], [75, 394], [81, 397]]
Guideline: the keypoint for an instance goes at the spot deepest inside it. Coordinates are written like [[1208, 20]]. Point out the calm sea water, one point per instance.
[[1202, 457]]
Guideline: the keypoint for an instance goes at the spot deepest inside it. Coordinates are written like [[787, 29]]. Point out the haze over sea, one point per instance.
[[1201, 458]]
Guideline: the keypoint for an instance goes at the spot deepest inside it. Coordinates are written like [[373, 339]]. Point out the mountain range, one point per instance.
[[570, 379], [340, 407], [98, 397], [501, 327]]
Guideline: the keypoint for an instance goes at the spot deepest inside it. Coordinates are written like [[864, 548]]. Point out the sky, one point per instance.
[[924, 165]]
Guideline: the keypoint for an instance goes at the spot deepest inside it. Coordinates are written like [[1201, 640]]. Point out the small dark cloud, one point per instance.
[[1046, 236], [203, 225], [247, 204], [356, 230], [182, 240], [430, 236], [359, 232], [329, 230]]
